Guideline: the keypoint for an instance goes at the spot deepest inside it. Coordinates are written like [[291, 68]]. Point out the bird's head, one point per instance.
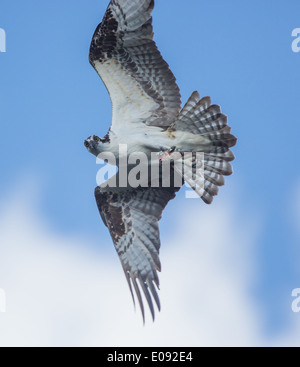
[[95, 145]]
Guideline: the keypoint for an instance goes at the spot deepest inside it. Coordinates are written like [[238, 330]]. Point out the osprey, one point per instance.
[[148, 118]]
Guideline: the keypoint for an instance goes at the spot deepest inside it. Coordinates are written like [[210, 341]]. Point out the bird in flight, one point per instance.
[[148, 118]]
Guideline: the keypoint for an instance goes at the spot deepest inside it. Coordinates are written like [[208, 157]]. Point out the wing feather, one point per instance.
[[141, 85], [132, 217]]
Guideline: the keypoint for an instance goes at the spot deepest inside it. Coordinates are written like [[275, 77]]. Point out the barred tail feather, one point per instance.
[[200, 117]]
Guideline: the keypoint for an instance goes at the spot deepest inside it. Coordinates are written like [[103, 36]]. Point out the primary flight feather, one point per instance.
[[147, 117]]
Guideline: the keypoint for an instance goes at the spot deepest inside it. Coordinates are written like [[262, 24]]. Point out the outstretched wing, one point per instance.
[[141, 86], [132, 217]]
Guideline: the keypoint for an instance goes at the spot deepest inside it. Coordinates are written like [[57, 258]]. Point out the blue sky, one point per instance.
[[237, 52]]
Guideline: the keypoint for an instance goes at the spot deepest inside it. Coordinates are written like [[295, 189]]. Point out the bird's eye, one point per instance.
[[86, 144], [96, 139]]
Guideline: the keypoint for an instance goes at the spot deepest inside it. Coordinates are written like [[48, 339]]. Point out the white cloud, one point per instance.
[[62, 293]]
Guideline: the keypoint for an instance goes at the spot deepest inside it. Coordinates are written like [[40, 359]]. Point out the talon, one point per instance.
[[165, 155]]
